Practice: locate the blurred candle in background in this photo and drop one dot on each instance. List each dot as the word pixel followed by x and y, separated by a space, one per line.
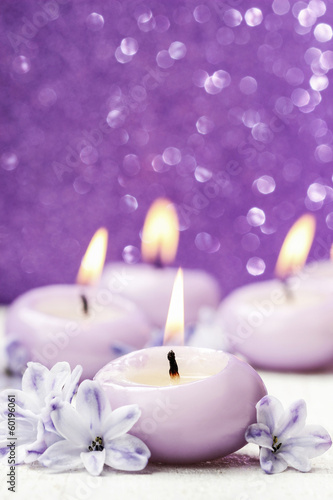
pixel 286 323
pixel 149 285
pixel 82 323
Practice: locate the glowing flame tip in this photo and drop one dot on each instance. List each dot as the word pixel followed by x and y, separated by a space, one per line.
pixel 93 260
pixel 160 233
pixel 296 246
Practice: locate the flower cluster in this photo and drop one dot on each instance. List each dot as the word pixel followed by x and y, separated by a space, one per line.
pixel 62 436
pixel 283 437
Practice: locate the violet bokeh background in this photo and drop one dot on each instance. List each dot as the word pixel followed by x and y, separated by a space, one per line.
pixel 87 120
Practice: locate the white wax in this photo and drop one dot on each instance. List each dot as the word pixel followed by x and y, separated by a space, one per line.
pixel 275 330
pixel 73 309
pixel 156 369
pixel 51 325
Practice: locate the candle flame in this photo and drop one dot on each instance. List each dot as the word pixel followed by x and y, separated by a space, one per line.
pixel 174 328
pixel 160 234
pixel 93 260
pixel 296 246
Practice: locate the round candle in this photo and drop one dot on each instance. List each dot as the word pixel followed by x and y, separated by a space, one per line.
pixel 202 415
pixel 150 288
pixel 52 325
pixel 284 324
pixel 150 285
pixel 280 329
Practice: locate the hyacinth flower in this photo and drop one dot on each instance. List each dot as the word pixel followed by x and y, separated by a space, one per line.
pixel 33 404
pixel 94 435
pixel 283 437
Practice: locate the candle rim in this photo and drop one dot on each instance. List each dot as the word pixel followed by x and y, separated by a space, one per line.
pixel 125 382
pixel 29 301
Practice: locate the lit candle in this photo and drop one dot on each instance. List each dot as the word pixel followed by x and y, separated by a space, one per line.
pixel 81 323
pixel 149 285
pixel 287 323
pixel 196 403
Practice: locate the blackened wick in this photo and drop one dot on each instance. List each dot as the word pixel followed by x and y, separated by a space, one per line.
pixel 84 304
pixel 173 371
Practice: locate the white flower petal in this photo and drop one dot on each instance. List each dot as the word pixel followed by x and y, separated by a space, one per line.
pixel 92 405
pixel 34 379
pixel 120 421
pixel 272 463
pixel 26 430
pixel 3 450
pixel 57 377
pixel 20 453
pixel 292 422
pixel 34 451
pixel 295 457
pixel 259 434
pixel 314 441
pixel 126 453
pixel 269 412
pixel 70 425
pixel 26 404
pixel 71 386
pixel 93 461
pixel 62 456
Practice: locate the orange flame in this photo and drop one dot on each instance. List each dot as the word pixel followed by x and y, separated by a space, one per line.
pixel 160 234
pixel 93 260
pixel 296 246
pixel 174 327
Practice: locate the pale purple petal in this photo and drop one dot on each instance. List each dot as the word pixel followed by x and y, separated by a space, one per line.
pixel 126 453
pixel 272 463
pixel 314 440
pixel 34 379
pixel 269 412
pixel 296 458
pixel 93 461
pixel 26 430
pixel 26 435
pixel 120 421
pixel 3 429
pixel 3 451
pixel 92 405
pixel 62 456
pixel 25 404
pixel 259 434
pixel 34 451
pixel 57 377
pixel 43 441
pixel 70 425
pixel 292 422
pixel 20 453
pixel 71 386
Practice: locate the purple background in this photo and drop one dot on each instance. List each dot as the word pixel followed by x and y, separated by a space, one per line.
pixel 64 171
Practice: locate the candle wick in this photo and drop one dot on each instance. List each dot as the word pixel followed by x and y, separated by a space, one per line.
pixel 158 262
pixel 287 290
pixel 173 371
pixel 85 304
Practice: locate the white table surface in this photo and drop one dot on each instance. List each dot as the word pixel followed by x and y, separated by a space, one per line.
pixel 237 477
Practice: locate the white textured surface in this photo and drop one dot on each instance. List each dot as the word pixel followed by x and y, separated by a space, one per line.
pixel 237 477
